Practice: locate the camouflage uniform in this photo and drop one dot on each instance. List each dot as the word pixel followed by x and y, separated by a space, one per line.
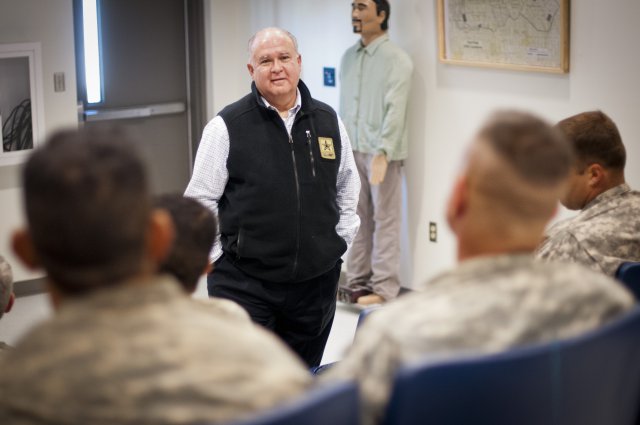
pixel 602 236
pixel 145 354
pixel 484 305
pixel 223 307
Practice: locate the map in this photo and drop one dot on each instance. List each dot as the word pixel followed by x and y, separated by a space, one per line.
pixel 522 33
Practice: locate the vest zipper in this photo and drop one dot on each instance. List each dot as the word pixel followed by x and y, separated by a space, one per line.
pixel 313 162
pixel 295 173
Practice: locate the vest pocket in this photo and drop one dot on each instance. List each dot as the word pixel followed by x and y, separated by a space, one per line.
pixel 239 244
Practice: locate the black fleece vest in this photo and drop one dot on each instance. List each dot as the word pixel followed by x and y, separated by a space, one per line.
pixel 278 212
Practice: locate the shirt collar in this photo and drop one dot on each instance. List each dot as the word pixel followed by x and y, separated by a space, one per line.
pixel 373 46
pixel 131 294
pixel 482 266
pixel 293 110
pixel 614 192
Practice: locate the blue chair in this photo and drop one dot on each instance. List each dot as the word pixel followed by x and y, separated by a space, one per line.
pixel 629 274
pixel 333 404
pixel 365 313
pixel 592 379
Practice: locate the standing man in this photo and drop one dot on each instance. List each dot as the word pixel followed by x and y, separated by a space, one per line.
pixel 604 234
pixel 375 77
pixel 277 168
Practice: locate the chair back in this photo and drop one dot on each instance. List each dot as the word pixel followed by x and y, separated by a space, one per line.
pixel 332 404
pixel 364 313
pixel 592 379
pixel 629 274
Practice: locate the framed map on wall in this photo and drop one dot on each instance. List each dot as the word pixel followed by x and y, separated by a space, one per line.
pixel 529 35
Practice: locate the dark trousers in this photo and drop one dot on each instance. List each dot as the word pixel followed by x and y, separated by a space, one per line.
pixel 301 313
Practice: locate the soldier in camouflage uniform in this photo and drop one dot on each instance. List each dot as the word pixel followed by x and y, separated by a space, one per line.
pixel 606 231
pixel 188 260
pixel 499 296
pixel 126 345
pixel 6 294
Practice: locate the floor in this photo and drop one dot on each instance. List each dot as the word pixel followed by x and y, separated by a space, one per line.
pixel 29 310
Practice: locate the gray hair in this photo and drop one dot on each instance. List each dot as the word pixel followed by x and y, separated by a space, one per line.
pixel 6 284
pixel 287 33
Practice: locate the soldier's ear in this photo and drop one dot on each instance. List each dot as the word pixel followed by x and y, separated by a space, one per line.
pixel 596 174
pixel 458 202
pixel 160 235
pixel 12 298
pixel 22 245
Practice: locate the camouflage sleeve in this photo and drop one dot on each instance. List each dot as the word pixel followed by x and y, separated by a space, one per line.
pixel 565 247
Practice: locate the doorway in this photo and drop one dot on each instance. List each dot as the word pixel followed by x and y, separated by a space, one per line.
pixel 151 60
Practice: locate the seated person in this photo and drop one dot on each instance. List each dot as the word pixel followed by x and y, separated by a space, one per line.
pixel 605 233
pixel 195 231
pixel 7 297
pixel 126 344
pixel 499 296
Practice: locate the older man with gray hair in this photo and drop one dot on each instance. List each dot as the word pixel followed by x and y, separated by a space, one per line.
pixel 277 168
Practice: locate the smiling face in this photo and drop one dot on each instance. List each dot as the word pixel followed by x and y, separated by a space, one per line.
pixel 275 66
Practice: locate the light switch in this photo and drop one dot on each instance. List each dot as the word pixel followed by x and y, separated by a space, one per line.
pixel 58 82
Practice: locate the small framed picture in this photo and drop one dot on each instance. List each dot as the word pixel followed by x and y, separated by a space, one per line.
pixel 21 101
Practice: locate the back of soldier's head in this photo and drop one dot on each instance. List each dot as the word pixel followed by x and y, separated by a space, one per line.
pixel 596 139
pixel 195 231
pixel 521 165
pixel 88 208
pixel 6 285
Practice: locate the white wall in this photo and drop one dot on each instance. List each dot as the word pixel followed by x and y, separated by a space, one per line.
pixel 228 28
pixel 449 102
pixel 51 24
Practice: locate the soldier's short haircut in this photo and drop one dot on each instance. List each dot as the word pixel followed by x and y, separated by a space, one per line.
pixel 538 153
pixel 88 208
pixel 195 232
pixel 383 6
pixel 532 162
pixel 6 284
pixel 596 139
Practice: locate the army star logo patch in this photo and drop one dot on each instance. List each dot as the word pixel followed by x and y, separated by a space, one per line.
pixel 326 148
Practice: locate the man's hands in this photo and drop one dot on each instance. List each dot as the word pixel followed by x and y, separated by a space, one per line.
pixel 378 169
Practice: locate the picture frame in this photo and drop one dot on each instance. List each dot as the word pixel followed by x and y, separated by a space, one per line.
pixel 21 101
pixel 526 35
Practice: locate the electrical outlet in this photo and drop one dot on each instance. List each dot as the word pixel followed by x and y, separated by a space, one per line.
pixel 433 231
